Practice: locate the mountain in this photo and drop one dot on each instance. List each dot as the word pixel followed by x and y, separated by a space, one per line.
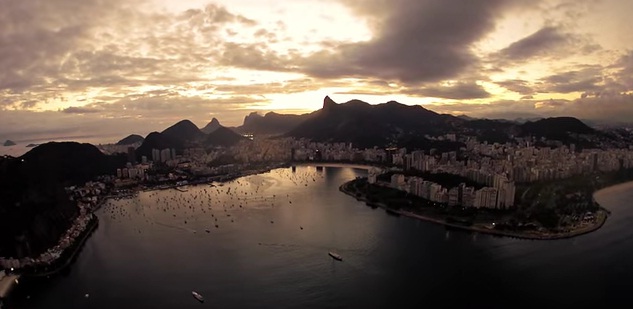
pixel 368 125
pixel 211 126
pixel 270 124
pixel 395 124
pixel 223 137
pixel 555 127
pixel 35 210
pixel 184 131
pixel 9 143
pixel 130 140
pixel 160 141
pixel 68 162
pixel 564 129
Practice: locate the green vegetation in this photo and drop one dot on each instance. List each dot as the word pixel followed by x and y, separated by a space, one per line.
pixel 563 204
pixel 545 210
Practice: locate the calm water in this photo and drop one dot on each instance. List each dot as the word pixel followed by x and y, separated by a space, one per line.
pixel 144 255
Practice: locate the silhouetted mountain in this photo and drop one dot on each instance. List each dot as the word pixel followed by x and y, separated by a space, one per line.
pixel 555 128
pixel 68 162
pixel 368 125
pixel 466 117
pixel 395 124
pixel 211 126
pixel 158 141
pixel 130 139
pixel 34 209
pixel 223 137
pixel 270 124
pixel 184 131
pixel 9 143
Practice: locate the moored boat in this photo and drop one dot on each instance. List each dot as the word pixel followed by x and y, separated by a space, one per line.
pixel 335 256
pixel 197 296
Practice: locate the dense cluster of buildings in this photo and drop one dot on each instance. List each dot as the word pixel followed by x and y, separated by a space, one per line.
pixel 52 254
pixel 87 198
pixel 496 167
pixel 500 196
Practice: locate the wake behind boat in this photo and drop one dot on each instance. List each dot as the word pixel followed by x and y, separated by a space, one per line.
pixel 197 296
pixel 335 256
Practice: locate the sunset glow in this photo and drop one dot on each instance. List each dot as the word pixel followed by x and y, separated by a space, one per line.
pixel 114 67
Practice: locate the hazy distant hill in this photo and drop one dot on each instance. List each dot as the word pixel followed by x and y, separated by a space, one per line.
pixel 211 126
pixel 130 140
pixel 555 127
pixel 9 143
pixel 223 137
pixel 184 131
pixel 34 210
pixel 270 124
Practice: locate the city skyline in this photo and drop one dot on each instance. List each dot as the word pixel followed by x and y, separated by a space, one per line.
pixel 94 69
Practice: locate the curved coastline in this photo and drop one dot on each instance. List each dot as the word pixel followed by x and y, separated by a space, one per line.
pixel 602 216
pixel 67 257
pixel 613 188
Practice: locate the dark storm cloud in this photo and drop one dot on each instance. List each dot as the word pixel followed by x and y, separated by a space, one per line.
pixel 543 40
pixel 414 41
pixel 548 41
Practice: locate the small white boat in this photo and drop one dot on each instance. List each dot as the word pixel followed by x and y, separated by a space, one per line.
pixel 335 256
pixel 197 296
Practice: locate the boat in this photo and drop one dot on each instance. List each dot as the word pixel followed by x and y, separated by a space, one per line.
pixel 197 296
pixel 335 256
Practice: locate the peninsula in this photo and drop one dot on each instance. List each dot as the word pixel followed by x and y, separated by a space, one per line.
pixel 573 213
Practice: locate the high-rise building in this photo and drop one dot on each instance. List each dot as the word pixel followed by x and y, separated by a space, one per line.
pixel 453 196
pixel 155 155
pixel 397 181
pixel 131 155
pixel 165 155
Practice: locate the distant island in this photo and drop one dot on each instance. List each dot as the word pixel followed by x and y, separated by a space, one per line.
pixel 9 143
pixel 32 145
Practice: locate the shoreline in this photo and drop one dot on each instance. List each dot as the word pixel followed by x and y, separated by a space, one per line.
pixel 615 187
pixel 601 215
pixel 76 248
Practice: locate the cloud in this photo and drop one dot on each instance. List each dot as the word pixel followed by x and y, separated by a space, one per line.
pixel 457 91
pixel 586 79
pixel 614 108
pixel 414 41
pixel 517 85
pixel 549 41
pixel 80 110
pixel 539 42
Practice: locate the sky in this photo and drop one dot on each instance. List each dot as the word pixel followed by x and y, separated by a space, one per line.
pixel 98 70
